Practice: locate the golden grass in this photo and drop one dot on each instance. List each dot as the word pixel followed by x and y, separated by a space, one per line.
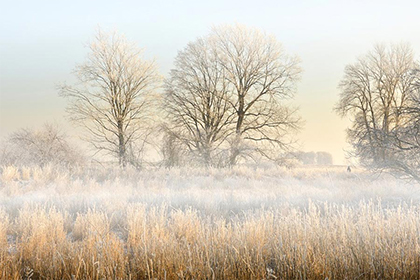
pixel 214 225
pixel 322 241
pixel 10 173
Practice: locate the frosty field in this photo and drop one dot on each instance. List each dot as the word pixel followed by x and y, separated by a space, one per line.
pixel 240 223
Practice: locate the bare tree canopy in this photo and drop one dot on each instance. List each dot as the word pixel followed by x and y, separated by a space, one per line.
pixel 229 89
pixel 197 101
pixel 112 97
pixel 377 92
pixel 407 136
pixel 261 76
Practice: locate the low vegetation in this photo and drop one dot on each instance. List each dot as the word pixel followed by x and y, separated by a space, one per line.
pixel 240 223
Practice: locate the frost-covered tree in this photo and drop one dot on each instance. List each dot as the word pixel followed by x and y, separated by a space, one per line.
pixel 112 97
pixel 379 93
pixel 406 139
pixel 230 89
pixel 197 104
pixel 262 76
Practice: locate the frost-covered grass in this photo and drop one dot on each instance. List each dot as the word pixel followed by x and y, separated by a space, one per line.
pixel 241 223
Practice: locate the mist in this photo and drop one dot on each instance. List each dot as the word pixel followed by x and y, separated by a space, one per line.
pixel 213 140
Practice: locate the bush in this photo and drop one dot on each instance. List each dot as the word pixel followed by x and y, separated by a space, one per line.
pixel 46 146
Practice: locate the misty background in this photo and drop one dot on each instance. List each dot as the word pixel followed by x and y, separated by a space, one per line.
pixel 41 42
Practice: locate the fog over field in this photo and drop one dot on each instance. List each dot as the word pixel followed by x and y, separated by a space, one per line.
pixel 210 140
pixel 222 191
pixel 240 223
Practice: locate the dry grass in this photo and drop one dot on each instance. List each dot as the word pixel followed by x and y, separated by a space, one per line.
pixel 79 231
pixel 10 173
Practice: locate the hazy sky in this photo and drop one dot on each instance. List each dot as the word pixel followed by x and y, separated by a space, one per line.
pixel 42 41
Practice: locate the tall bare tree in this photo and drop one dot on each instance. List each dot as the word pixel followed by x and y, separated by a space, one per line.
pixel 230 89
pixel 261 77
pixel 197 101
pixel 376 92
pixel 111 100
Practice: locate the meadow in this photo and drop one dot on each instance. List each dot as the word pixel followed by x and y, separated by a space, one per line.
pixel 192 223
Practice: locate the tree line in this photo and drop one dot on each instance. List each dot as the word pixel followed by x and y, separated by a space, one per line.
pixel 225 100
pixel 228 99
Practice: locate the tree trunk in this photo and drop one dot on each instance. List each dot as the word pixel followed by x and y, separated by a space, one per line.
pixel 235 145
pixel 207 158
pixel 234 153
pixel 121 145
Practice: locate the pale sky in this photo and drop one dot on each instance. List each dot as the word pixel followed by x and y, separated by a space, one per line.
pixel 42 41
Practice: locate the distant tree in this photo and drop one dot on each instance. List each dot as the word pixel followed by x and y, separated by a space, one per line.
pixel 378 92
pixel 112 97
pixel 41 147
pixel 307 158
pixel 312 158
pixel 172 150
pixel 324 158
pixel 261 77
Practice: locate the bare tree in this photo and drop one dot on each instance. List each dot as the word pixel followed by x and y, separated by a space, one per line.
pixel 112 99
pixel 228 91
pixel 376 92
pixel 406 139
pixel 172 150
pixel 261 77
pixel 197 102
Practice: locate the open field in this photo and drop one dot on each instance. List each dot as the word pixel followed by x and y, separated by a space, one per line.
pixel 243 223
